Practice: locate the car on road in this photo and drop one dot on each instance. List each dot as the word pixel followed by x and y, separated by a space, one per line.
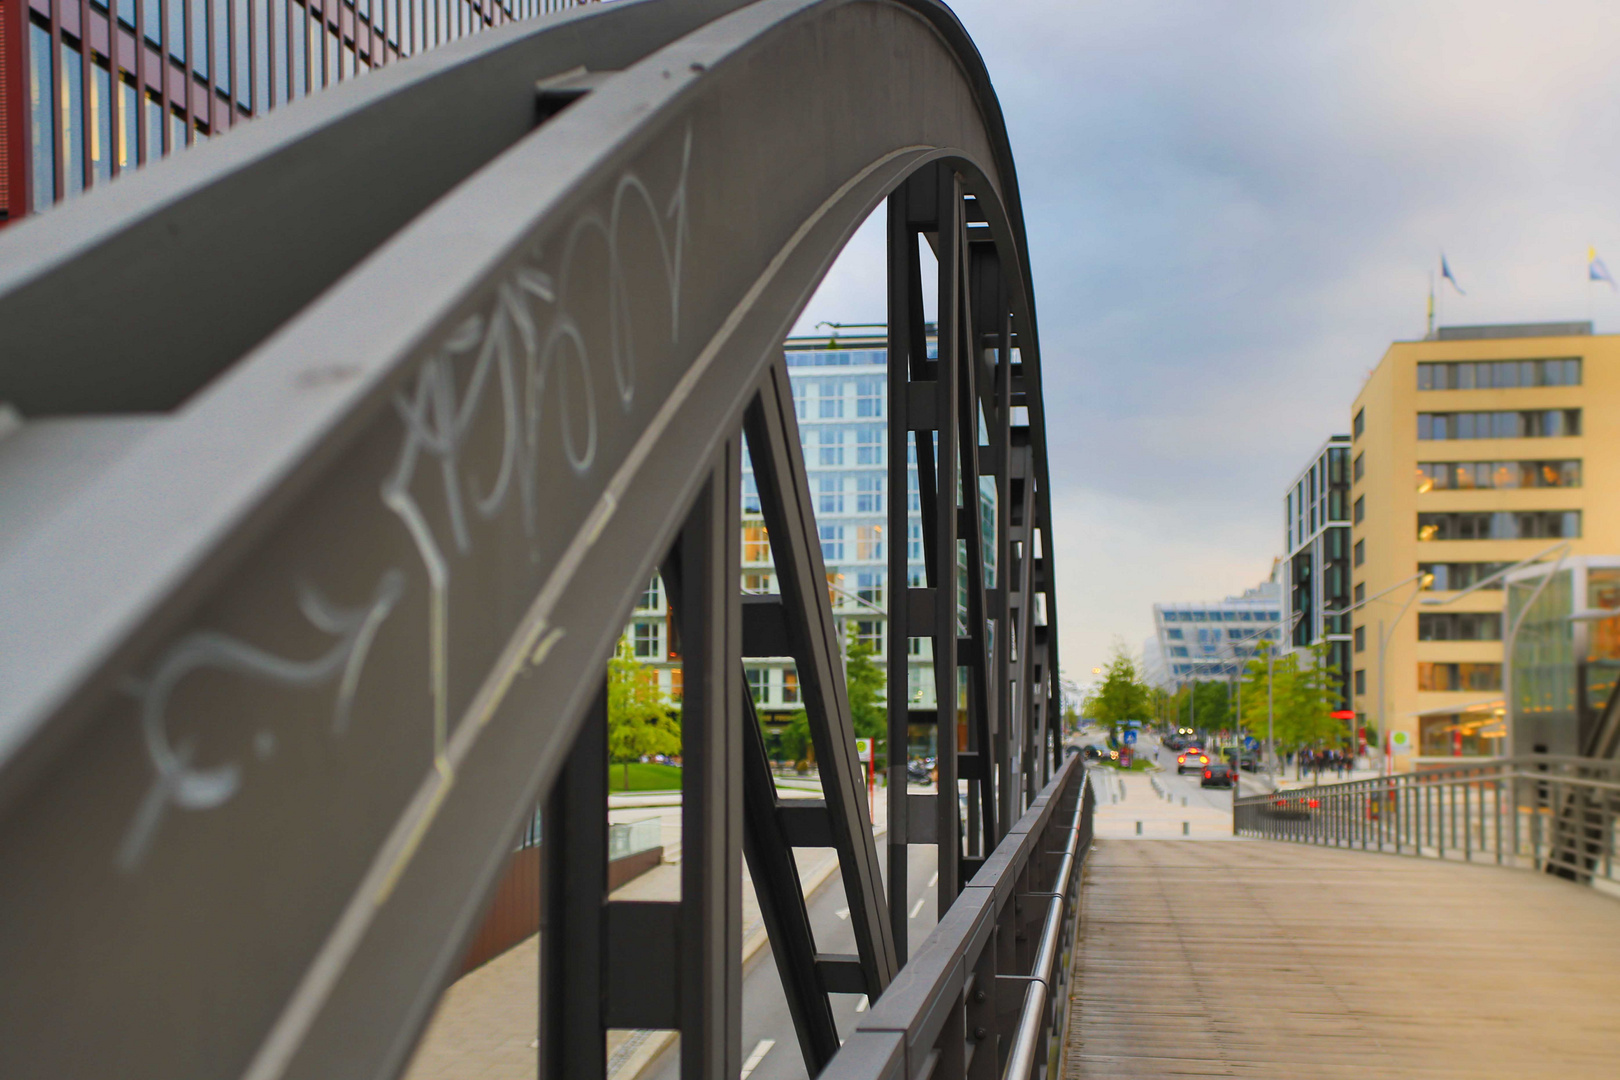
pixel 1193 760
pixel 1218 774
pixel 1093 752
pixel 1246 762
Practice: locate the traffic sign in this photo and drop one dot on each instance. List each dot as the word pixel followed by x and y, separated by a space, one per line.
pixel 863 749
pixel 1129 736
pixel 1400 742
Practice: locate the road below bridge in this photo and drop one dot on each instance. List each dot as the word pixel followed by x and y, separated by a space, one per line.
pixel 1258 958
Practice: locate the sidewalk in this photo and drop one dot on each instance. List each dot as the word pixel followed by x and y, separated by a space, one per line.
pixel 486 1023
pixel 1126 800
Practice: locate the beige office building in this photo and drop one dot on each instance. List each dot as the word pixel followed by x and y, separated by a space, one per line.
pixel 1471 450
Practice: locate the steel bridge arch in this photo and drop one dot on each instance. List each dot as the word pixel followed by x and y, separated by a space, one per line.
pixel 400 397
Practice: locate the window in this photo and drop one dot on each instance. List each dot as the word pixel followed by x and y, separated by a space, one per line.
pixel 790 686
pixel 1524 424
pixel 756 544
pixel 832 400
pixel 831 495
pixel 750 488
pixel 759 683
pixel 646 640
pixel 869 542
pixel 1360 552
pixel 869 494
pixel 1460 626
pixel 1359 424
pixel 1361 680
pixel 801 400
pixel 1361 509
pixel 869 444
pixel 913 495
pixel 1236 634
pixel 832 446
pixel 914 542
pixel 1360 466
pixel 832 543
pixel 869 397
pixel 649 600
pixel 1173 633
pixel 869 586
pixel 1461 575
pixel 1444 677
pixel 1501 525
pixel 1178 650
pixel 1469 475
pixel 1361 593
pixel 1361 639
pixel 1499 374
pixel 869 632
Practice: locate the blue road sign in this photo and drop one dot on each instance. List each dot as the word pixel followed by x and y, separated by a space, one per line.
pixel 1129 736
pixel 1251 742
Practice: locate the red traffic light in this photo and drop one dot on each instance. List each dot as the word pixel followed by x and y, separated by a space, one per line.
pixel 1342 714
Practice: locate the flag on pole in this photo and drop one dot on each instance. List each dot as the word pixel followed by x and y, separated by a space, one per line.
pixel 1447 275
pixel 1596 271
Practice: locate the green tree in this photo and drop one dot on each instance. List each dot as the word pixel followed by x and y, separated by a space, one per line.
pixel 640 720
pixel 1301 700
pixel 868 696
pixel 795 737
pixel 1121 696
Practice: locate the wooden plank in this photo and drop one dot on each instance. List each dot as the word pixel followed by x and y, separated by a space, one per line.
pixel 1271 959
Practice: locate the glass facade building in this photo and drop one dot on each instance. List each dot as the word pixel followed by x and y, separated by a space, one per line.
pixel 1214 640
pixel 89 90
pixel 1563 664
pixel 840 394
pixel 1316 520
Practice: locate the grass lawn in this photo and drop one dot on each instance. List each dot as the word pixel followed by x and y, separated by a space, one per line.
pixel 1140 764
pixel 644 776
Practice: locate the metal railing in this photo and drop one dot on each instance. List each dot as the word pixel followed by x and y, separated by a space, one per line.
pixel 981 996
pixel 1546 813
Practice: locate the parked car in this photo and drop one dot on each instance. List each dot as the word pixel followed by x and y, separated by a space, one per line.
pixel 919 770
pixel 1191 761
pixel 1093 752
pixel 1218 774
pixel 1246 762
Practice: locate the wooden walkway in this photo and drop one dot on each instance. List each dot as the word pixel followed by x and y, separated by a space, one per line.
pixel 1263 959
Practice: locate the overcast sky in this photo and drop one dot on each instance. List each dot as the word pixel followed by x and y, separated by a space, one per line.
pixel 1233 209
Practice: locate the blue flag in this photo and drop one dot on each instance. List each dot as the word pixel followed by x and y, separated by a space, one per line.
pixel 1447 275
pixel 1596 271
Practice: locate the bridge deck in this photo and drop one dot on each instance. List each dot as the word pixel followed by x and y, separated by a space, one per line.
pixel 1268 959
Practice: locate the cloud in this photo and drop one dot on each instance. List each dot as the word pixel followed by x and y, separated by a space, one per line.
pixel 1232 210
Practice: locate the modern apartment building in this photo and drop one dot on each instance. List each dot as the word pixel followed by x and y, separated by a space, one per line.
pixel 840 390
pixel 1213 640
pixel 1316 513
pixel 1470 450
pixel 157 77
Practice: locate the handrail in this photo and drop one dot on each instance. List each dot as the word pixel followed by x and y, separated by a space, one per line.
pixel 1550 813
pixel 943 1006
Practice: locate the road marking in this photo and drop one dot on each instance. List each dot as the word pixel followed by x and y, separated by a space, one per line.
pixel 915 908
pixel 860 1006
pixel 933 880
pixel 757 1056
pixel 842 913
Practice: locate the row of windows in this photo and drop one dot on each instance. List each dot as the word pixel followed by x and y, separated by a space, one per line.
pixel 1459 676
pixel 843 493
pixel 1460 626
pixel 773 686
pixel 1448 677
pixel 837 399
pixel 1447 577
pixel 840 357
pixel 1500 525
pixel 261 54
pixel 1213 634
pixel 1221 616
pixel 862 542
pixel 1499 374
pixel 1518 424
pixel 830 443
pixel 1467 475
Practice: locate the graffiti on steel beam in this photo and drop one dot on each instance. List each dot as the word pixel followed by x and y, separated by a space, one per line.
pixel 178 782
pixel 529 339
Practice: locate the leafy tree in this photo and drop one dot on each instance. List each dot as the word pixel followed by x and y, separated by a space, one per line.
pixel 1211 705
pixel 1121 696
pixel 795 737
pixel 1303 694
pixel 868 696
pixel 640 720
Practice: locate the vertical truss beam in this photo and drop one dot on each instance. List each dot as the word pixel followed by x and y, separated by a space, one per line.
pixel 710 617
